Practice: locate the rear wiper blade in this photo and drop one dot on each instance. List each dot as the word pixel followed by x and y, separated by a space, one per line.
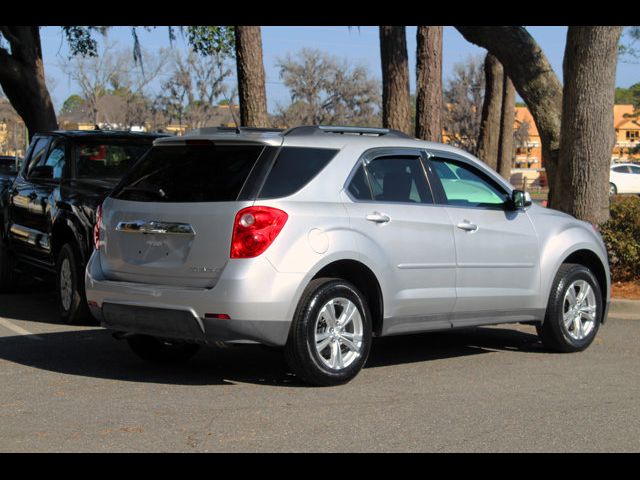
pixel 153 191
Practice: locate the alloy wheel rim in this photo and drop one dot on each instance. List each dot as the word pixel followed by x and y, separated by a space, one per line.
pixel 338 333
pixel 66 290
pixel 579 310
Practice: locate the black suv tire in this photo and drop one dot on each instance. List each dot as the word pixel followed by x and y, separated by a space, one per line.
pixel 7 276
pixel 301 352
pixel 70 295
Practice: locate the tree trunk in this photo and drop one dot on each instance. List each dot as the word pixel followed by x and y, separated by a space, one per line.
pixel 587 136
pixel 251 83
pixel 396 112
pixel 505 150
pixel 429 83
pixel 489 138
pixel 23 81
pixel 527 66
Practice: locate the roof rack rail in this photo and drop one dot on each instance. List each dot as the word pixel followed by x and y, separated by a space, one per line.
pixel 236 130
pixel 321 129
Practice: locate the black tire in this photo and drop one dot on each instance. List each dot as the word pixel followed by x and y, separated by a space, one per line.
pixel 553 332
pixel 7 277
pixel 613 190
pixel 163 351
pixel 300 351
pixel 73 309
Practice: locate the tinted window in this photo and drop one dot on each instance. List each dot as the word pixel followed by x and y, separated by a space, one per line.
pixel 8 165
pixel 37 155
pixel 634 169
pixel 107 160
pixel 398 179
pixel 466 186
pixel 358 187
pixel 622 169
pixel 293 169
pixel 189 173
pixel 56 159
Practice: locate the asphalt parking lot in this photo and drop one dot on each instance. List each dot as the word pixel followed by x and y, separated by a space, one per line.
pixel 75 388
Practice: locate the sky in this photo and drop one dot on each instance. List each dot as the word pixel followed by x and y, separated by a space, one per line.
pixel 358 45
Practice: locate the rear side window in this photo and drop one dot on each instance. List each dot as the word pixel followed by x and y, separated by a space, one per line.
pixel 293 168
pixel 189 173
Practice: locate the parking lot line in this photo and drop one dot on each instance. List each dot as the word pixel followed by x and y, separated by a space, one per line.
pixel 16 329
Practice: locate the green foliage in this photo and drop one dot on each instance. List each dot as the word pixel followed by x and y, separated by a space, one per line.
pixel 627 47
pixel 81 41
pixel 72 103
pixel 621 235
pixel 629 95
pixel 211 40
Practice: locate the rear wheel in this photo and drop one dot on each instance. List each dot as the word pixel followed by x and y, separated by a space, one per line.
pixel 574 311
pixel 330 336
pixel 72 302
pixel 613 190
pixel 159 350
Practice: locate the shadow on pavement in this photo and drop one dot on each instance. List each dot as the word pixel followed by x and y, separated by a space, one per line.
pixel 94 353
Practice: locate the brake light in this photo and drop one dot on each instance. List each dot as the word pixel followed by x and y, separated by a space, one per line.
pixel 96 227
pixel 254 229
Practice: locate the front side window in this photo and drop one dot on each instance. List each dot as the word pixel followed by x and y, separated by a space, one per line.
pixel 37 155
pixel 621 169
pixel 466 186
pixel 398 179
pixel 56 160
pixel 107 160
pixel 634 169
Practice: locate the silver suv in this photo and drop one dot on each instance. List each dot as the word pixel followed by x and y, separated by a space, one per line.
pixel 320 238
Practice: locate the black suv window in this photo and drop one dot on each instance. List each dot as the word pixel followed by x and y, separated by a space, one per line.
pixel 359 187
pixel 37 154
pixel 189 173
pixel 398 179
pixel 56 159
pixel 293 168
pixel 107 159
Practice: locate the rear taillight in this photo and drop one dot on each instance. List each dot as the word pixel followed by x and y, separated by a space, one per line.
pixel 254 229
pixel 96 227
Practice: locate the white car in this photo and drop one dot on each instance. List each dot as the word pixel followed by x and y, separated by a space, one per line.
pixel 624 178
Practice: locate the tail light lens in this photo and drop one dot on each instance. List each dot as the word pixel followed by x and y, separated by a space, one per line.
pixel 96 227
pixel 254 229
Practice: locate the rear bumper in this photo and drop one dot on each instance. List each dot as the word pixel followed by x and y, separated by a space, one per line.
pixel 258 299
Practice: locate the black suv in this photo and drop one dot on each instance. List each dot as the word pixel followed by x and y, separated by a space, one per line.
pixel 49 211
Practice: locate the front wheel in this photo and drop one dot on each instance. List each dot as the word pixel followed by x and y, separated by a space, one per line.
pixel 330 336
pixel 613 190
pixel 574 310
pixel 160 350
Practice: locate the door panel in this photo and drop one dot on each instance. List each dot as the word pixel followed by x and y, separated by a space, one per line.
pixel 496 247
pixel 409 237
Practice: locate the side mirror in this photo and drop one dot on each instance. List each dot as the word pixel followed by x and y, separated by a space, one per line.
pixel 520 199
pixel 41 171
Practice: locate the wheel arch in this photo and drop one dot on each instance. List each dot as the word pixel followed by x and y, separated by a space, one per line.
pixel 364 280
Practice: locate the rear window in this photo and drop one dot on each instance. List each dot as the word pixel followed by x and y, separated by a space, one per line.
pixel 189 173
pixel 107 160
pixel 293 169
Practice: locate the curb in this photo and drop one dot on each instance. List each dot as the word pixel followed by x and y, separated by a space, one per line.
pixel 626 308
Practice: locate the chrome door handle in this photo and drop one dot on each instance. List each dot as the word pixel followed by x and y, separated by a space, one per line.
pixel 467 226
pixel 378 217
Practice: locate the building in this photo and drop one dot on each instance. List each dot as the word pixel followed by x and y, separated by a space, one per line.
pixel 627 127
pixel 625 123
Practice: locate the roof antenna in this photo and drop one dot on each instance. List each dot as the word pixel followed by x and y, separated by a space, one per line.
pixel 230 103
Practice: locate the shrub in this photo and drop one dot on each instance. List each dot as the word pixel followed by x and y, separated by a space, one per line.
pixel 621 235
